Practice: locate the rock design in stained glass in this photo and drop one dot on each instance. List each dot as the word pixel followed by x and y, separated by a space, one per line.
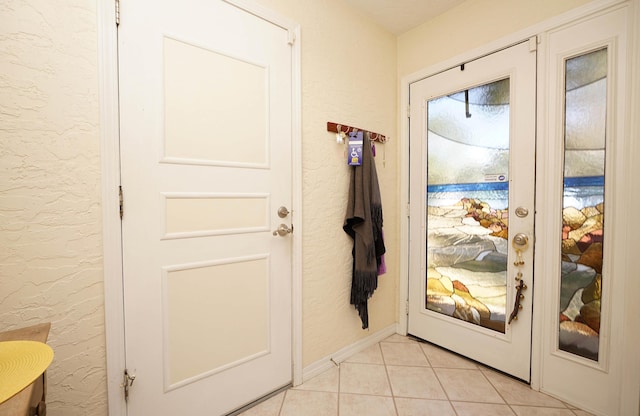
pixel 467 204
pixel 583 204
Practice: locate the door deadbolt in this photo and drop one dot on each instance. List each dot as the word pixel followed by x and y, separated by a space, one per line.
pixel 283 212
pixel 522 212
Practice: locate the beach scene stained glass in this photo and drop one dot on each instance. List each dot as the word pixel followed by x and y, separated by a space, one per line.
pixel 467 204
pixel 583 204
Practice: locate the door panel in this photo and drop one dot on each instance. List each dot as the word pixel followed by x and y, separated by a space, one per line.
pixel 223 106
pixel 205 148
pixel 583 202
pixel 472 146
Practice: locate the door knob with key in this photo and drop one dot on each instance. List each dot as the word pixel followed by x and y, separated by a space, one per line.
pixel 283 230
pixel 520 244
pixel 521 241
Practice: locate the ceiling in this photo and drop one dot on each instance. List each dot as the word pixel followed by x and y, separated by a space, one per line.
pixel 398 16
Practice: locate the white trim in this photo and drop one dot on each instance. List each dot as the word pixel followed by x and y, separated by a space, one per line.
pixel 110 178
pixel 504 42
pixel 296 154
pixel 110 154
pixel 630 385
pixel 405 220
pixel 537 333
pixel 343 354
pixel 218 163
pixel 267 14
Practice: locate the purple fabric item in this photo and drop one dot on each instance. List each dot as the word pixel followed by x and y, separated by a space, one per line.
pixel 382 267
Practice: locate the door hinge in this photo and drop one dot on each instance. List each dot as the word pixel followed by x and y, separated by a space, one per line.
pixel 291 37
pixel 408 111
pixel 408 210
pixel 406 307
pixel 117 12
pixel 127 383
pixel 121 200
pixel 533 44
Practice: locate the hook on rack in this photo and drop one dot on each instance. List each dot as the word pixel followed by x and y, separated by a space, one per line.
pixel 344 129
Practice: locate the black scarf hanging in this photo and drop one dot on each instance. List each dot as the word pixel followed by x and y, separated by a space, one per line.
pixel 363 222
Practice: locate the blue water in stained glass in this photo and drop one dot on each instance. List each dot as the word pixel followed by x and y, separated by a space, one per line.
pixel 462 187
pixel 584 181
pixel 579 192
pixel 587 191
pixel 494 193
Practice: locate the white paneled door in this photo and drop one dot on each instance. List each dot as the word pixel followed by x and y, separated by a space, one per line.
pixel 206 129
pixel 472 208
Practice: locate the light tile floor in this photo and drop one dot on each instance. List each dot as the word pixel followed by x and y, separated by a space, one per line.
pixel 403 377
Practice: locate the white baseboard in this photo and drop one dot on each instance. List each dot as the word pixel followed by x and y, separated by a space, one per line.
pixel 339 356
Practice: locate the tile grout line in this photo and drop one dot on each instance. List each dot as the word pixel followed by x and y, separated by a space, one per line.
pixel 438 378
pixel 525 405
pixel 284 397
pixel 498 391
pixel 339 388
pixel 386 371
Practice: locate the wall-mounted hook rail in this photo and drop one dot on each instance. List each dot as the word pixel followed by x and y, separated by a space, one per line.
pixel 337 128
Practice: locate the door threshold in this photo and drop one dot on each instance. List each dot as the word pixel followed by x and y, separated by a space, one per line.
pixel 260 400
pixel 424 341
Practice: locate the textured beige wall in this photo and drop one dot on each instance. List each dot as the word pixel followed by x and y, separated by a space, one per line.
pixel 50 213
pixel 50 182
pixel 470 25
pixel 348 76
pixel 50 230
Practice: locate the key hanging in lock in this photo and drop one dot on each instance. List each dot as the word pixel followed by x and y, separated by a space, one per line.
pixel 519 260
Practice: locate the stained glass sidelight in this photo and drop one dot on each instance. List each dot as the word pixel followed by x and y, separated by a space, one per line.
pixel 583 203
pixel 467 202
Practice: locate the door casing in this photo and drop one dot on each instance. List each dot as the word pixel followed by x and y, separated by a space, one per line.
pixel 110 151
pixel 629 400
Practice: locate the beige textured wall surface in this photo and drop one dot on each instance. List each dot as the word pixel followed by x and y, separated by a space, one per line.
pixel 470 25
pixel 50 183
pixel 50 227
pixel 348 76
pixel 50 213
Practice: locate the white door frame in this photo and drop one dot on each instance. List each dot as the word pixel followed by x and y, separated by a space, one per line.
pixel 112 234
pixel 631 379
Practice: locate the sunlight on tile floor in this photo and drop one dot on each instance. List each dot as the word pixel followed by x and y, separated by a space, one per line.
pixel 403 377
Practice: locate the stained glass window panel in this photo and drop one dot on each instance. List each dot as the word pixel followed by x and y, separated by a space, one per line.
pixel 467 204
pixel 583 203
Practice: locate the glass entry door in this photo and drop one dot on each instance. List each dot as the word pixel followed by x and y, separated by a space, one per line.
pixel 472 133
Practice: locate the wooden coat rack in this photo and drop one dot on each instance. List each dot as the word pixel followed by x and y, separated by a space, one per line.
pixel 337 128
